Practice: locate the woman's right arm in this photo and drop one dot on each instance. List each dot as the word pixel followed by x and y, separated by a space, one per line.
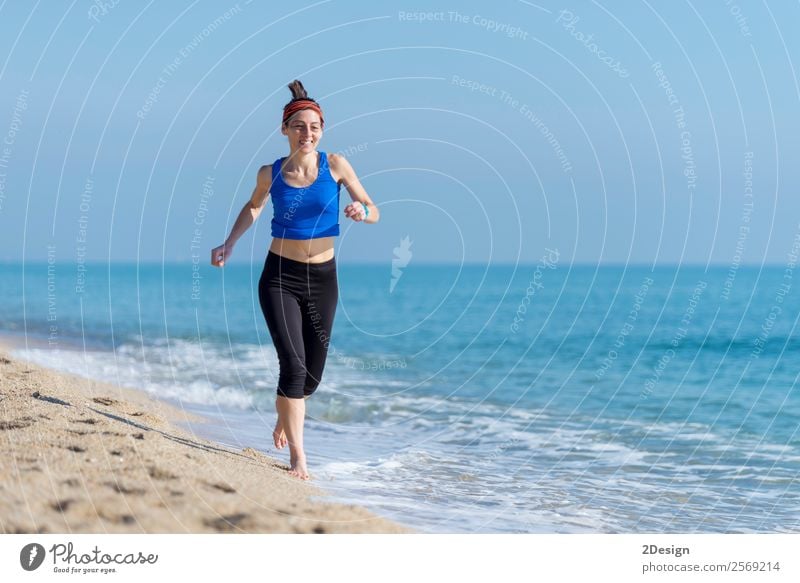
pixel 247 216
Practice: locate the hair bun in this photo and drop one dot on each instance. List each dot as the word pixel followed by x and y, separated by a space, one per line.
pixel 297 89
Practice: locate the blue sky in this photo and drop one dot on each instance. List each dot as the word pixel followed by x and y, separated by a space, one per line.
pixel 636 132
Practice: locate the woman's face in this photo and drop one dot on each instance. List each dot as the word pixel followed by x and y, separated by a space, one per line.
pixel 304 130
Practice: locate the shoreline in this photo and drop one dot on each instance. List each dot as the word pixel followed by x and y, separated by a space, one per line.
pixel 84 456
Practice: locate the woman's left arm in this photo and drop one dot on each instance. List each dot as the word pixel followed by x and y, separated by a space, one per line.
pixel 355 210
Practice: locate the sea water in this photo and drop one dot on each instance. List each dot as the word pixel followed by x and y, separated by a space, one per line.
pixel 473 398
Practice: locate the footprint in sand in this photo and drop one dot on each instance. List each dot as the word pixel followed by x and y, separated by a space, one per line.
pixel 230 523
pixel 159 474
pixel 120 489
pixel 62 505
pixel 20 423
pixel 89 421
pixel 80 432
pixel 108 402
pixel 221 487
pixel 117 518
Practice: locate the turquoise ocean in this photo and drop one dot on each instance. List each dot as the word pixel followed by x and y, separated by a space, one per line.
pixel 545 398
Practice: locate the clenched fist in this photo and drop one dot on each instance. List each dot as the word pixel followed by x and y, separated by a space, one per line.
pixel 220 254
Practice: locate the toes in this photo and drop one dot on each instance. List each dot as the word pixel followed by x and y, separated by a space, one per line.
pixel 279 437
pixel 298 473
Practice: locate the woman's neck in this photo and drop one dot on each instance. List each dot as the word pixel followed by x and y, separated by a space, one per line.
pixel 298 161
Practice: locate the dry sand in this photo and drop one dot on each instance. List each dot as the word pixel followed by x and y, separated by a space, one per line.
pixel 80 456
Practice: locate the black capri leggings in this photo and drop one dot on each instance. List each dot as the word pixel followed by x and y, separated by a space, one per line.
pixel 299 303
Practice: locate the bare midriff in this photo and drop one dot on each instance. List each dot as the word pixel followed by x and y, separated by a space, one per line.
pixel 305 250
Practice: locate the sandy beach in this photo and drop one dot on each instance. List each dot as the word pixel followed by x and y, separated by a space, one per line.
pixel 80 456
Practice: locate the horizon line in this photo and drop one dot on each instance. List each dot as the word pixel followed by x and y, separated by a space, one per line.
pixel 100 262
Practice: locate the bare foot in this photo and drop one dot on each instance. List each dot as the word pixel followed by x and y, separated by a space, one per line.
pixel 298 468
pixel 279 435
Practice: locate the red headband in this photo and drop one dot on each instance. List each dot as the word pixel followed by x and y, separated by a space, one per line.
pixel 299 105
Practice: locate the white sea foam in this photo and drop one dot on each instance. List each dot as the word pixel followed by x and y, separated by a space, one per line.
pixel 180 371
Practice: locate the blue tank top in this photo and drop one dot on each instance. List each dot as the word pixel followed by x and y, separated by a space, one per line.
pixel 305 213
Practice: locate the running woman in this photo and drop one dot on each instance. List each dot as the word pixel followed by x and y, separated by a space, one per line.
pixel 298 289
